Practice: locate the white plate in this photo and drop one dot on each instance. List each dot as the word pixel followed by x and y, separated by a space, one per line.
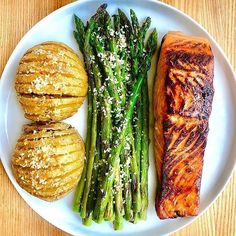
pixel 220 152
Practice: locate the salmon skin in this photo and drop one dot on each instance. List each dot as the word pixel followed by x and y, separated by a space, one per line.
pixel 182 103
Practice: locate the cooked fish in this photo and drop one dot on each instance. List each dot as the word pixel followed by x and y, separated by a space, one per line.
pixel 183 94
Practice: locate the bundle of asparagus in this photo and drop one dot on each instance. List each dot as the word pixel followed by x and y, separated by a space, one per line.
pixel 114 182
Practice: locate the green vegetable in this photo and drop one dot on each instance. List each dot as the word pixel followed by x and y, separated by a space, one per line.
pixel 114 181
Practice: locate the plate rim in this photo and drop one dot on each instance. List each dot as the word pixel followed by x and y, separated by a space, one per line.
pixel 63 8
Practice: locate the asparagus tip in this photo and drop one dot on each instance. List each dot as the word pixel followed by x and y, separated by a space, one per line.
pixel 131 11
pixel 103 6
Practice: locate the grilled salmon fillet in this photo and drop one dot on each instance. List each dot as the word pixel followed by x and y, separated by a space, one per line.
pixel 182 103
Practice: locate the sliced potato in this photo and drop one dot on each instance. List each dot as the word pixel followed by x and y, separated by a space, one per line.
pixel 48 160
pixel 50 75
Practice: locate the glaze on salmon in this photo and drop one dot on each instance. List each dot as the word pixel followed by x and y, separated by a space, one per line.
pixel 182 101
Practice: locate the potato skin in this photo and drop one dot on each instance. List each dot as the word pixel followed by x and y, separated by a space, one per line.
pixel 48 160
pixel 51 82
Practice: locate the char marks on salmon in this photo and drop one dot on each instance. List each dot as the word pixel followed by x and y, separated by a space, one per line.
pixel 183 94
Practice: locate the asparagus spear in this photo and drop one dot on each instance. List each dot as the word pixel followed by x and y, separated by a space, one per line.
pixel 142 111
pixel 134 178
pixel 79 190
pixel 113 47
pixel 127 190
pixel 86 207
pixel 136 51
pixel 118 141
pixel 80 187
pixel 106 110
pixel 145 136
pixel 117 105
pixel 117 223
pixel 99 153
pixel 106 136
pixel 93 129
pixel 144 162
pixel 94 182
pixel 84 43
pixel 126 153
pixel 88 50
pixel 116 62
pixel 135 170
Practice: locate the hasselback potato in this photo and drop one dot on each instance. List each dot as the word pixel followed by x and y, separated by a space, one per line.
pixel 51 82
pixel 48 160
